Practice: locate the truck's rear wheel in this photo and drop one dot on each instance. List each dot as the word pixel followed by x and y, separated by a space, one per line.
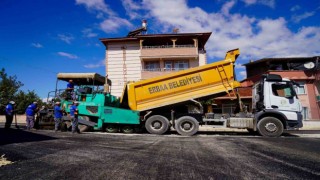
pixel 270 127
pixel 112 128
pixel 127 129
pixel 187 126
pixel 157 124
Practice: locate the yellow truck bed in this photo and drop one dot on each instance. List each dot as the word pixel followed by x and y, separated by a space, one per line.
pixel 198 82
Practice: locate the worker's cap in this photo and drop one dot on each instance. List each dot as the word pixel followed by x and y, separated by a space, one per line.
pixel 12 102
pixel 35 102
pixel 58 102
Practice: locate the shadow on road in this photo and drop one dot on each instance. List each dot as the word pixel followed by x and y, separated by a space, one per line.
pixel 9 136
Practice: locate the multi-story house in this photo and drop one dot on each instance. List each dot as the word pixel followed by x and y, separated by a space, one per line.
pixel 303 70
pixel 141 56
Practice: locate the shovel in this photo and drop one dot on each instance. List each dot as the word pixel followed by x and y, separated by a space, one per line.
pixel 15 119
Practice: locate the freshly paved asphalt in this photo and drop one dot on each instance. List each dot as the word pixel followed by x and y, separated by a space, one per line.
pixel 44 154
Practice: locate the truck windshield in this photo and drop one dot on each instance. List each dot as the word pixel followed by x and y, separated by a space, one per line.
pixel 283 90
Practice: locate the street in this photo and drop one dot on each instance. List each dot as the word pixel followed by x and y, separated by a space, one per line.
pixel 44 154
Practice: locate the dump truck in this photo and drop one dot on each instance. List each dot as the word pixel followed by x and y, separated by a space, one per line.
pixel 174 100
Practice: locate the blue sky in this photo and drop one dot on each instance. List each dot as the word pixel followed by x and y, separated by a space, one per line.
pixel 39 38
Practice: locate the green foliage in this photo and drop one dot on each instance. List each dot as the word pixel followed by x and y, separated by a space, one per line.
pixel 9 91
pixel 9 86
pixel 24 99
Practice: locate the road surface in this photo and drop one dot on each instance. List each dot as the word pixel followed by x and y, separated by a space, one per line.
pixel 44 154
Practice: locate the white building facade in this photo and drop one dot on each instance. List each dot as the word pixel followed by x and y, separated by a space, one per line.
pixel 146 56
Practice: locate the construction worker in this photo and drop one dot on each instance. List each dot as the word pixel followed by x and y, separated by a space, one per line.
pixel 9 114
pixel 70 89
pixel 74 116
pixel 57 116
pixel 30 113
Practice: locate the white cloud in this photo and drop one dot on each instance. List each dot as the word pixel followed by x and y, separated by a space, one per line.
pixel 297 18
pixel 68 55
pixel 37 45
pixel 256 38
pixel 88 33
pixel 112 22
pixel 96 65
pixel 269 3
pixel 243 74
pixel 96 5
pixel 227 6
pixel 132 8
pixel 67 38
pixel 239 66
pixel 47 100
pixel 111 25
pixel 295 8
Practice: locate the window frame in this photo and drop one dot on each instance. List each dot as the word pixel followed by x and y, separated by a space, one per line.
pixel 148 65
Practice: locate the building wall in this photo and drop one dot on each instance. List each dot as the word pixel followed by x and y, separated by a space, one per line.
pixel 202 58
pixel 193 63
pixel 314 108
pixel 123 64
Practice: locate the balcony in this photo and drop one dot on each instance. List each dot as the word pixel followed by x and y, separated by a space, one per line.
pixel 147 73
pixel 169 51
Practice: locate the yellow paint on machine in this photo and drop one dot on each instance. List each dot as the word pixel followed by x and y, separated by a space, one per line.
pixel 184 85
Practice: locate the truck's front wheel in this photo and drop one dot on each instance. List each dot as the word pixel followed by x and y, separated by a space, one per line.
pixel 187 126
pixel 270 127
pixel 157 124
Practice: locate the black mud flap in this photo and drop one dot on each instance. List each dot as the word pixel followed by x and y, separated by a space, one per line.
pixel 80 121
pixel 85 122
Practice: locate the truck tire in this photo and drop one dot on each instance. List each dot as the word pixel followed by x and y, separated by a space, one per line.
pixel 157 124
pixel 187 126
pixel 270 127
pixel 127 129
pixel 112 128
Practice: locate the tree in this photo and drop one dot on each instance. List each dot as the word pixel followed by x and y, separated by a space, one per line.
pixel 9 91
pixel 25 99
pixel 9 86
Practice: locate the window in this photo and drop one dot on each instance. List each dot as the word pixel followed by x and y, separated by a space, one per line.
pixel 168 66
pixel 301 89
pixel 305 113
pixel 181 65
pixel 152 66
pixel 282 90
pixel 176 65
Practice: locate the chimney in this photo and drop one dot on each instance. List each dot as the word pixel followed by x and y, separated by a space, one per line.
pixel 144 24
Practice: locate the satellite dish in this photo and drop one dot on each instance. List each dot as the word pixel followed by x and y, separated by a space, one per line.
pixel 309 65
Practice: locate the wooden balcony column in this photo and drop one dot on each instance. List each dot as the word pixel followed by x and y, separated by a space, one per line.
pixel 195 42
pixel 174 42
pixel 141 43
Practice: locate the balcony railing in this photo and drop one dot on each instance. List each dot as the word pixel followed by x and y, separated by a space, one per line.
pixel 168 46
pixel 169 51
pixel 164 69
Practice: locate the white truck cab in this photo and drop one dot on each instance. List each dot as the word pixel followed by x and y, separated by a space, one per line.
pixel 275 105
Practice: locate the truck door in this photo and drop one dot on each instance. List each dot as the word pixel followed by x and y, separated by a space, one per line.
pixel 282 97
